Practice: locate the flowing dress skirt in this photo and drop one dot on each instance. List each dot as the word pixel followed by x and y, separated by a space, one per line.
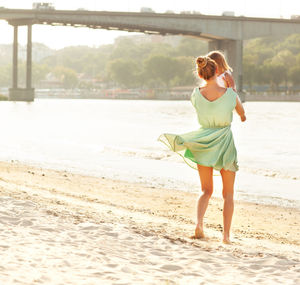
pixel 212 147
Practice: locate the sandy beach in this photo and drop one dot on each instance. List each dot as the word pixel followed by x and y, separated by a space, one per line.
pixel 59 227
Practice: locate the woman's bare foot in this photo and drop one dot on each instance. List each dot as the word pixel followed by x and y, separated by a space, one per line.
pixel 199 234
pixel 226 239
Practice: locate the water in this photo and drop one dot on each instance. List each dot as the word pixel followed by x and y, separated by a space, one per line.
pixel 118 139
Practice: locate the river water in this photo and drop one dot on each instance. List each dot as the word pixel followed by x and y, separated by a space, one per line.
pixel 118 139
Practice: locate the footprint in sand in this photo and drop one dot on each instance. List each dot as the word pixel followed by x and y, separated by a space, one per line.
pixel 112 265
pixel 113 234
pixel 26 223
pixel 24 204
pixel 9 220
pixel 158 253
pixel 171 267
pixel 88 226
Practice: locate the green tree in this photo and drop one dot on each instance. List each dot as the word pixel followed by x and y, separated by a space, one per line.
pixel 281 63
pixel 191 47
pixel 67 76
pixel 294 75
pixel 291 43
pixel 39 72
pixel 275 70
pixel 124 48
pixel 250 70
pixel 186 73
pixel 160 68
pixel 5 75
pixel 125 72
pixel 271 60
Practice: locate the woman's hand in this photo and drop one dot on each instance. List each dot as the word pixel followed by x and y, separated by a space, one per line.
pixel 243 118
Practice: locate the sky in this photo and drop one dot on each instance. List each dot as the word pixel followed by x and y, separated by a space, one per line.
pixel 59 37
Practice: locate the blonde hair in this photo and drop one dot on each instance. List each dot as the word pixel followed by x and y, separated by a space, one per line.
pixel 206 67
pixel 220 60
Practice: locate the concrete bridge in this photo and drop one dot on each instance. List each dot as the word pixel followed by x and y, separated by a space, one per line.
pixel 223 32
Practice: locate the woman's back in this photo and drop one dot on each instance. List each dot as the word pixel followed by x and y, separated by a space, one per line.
pixel 213 92
pixel 214 109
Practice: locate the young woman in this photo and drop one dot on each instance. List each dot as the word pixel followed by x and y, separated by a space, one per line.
pixel 212 146
pixel 225 78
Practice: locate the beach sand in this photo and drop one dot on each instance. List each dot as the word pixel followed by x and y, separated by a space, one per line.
pixel 58 227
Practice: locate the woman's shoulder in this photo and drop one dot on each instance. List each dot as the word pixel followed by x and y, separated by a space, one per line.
pixel 197 90
pixel 193 95
pixel 231 91
pixel 232 95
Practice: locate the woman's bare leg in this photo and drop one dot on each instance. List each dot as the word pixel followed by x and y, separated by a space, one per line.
pixel 228 178
pixel 206 178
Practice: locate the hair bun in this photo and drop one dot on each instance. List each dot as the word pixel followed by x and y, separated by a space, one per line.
pixel 202 61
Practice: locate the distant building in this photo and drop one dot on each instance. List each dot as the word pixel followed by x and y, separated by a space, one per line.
pixel 42 6
pixel 295 17
pixel 51 81
pixel 171 40
pixel 190 12
pixel 228 13
pixel 147 10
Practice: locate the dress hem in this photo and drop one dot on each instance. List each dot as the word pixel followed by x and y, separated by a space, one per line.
pixel 162 138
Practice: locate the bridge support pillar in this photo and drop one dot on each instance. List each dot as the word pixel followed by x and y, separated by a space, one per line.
pixel 233 50
pixel 15 58
pixel 16 93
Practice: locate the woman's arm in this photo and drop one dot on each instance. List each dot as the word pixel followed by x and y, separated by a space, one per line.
pixel 240 109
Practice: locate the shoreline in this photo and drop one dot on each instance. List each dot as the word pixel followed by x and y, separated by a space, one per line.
pixel 59 227
pixel 243 197
pixel 248 98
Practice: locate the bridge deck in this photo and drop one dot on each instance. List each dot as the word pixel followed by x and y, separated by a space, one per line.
pixel 206 26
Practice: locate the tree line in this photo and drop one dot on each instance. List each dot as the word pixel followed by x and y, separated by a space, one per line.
pixel 272 62
pixel 132 64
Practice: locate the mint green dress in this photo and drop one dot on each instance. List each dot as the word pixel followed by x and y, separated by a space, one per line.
pixel 212 144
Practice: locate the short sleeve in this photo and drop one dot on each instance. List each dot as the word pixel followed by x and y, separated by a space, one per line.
pixel 193 97
pixel 233 95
